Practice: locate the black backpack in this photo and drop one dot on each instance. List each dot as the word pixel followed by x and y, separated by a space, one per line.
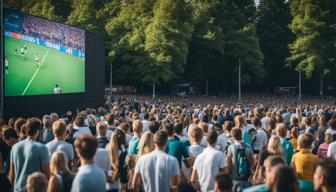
pixel 123 167
pixel 65 181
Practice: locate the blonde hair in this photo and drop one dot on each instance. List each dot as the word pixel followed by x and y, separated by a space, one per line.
pixel 117 140
pixel 101 128
pixel 274 145
pixel 146 144
pixel 37 182
pixel 328 138
pixel 137 126
pixel 59 163
pixel 59 128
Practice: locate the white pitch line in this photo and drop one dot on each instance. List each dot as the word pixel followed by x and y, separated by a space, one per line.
pixel 37 70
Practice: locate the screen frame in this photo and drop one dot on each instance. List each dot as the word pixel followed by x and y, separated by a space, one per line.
pixel 3 53
pixel 93 97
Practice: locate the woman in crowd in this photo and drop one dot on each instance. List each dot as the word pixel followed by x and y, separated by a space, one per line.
pixel 61 177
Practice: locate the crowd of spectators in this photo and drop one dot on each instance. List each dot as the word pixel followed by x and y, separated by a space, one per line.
pixel 54 32
pixel 136 143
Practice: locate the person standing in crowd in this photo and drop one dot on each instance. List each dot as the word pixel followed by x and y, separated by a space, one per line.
pixel 101 134
pixel 281 131
pixel 208 164
pixel 175 147
pixel 157 170
pixel 332 128
pixel 146 144
pixel 223 183
pixel 324 176
pixel 260 138
pixel 304 162
pixel 110 125
pixel 80 127
pixel 322 151
pixel 118 153
pixel 145 122
pixel 239 160
pixel 47 133
pixel 283 178
pixel 59 143
pixel 133 148
pixel 90 177
pixel 28 156
pixel 8 139
pixel 61 178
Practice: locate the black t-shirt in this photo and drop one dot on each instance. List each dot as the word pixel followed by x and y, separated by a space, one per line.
pixel 5 153
pixel 263 156
pixel 102 142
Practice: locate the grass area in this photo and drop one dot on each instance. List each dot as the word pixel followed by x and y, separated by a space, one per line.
pixel 25 78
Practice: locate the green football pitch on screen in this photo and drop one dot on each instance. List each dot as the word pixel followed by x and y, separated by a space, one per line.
pixel 25 77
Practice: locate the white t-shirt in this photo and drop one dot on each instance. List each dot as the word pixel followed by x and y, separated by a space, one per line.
pixel 330 131
pixel 332 150
pixel 207 166
pixel 102 159
pixel 63 146
pixel 261 140
pixel 57 90
pixel 145 124
pixel 156 169
pixel 222 142
pixel 264 122
pixel 81 131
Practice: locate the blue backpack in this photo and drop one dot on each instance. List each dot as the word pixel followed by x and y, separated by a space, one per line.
pixel 243 164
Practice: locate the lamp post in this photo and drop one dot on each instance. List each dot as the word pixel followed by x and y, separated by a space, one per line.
pixel 239 80
pixel 299 85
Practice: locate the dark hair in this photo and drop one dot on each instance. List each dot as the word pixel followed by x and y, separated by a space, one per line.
pixel 305 140
pixel 86 146
pixel 286 179
pixel 228 125
pixel 328 169
pixel 146 116
pixel 178 128
pixel 79 121
pixel 18 124
pixel 161 138
pixel 237 134
pixel 169 127
pixel 9 133
pixel 153 126
pixel 110 119
pixel 185 186
pixel 33 125
pixel 332 124
pixel 224 182
pixel 211 137
pixel 255 121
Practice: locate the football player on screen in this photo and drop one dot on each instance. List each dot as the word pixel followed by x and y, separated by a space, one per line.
pixel 37 59
pixel 22 51
pixel 25 48
pixel 6 64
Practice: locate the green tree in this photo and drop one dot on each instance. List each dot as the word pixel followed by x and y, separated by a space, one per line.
pixel 241 41
pixel 167 38
pixel 84 14
pixel 274 34
pixel 126 32
pixel 40 8
pixel 314 46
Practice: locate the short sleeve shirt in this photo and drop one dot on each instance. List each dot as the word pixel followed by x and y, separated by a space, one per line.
pixel 28 157
pixel 89 178
pixel 63 146
pixel 133 147
pixel 207 166
pixel 177 149
pixel 156 169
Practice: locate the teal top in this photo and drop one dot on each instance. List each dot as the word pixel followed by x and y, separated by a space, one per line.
pixel 247 138
pixel 133 148
pixel 304 185
pixel 177 149
pixel 287 148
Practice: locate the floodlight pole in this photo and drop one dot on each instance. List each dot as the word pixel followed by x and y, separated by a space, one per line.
pixel 2 73
pixel 153 90
pixel 239 80
pixel 299 85
pixel 111 78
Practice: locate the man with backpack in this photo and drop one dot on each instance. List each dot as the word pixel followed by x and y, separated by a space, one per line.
pixel 239 160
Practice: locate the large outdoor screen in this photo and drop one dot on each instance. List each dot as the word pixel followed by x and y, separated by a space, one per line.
pixel 42 56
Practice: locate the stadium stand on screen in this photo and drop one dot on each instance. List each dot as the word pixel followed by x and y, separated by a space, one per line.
pixel 42 56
